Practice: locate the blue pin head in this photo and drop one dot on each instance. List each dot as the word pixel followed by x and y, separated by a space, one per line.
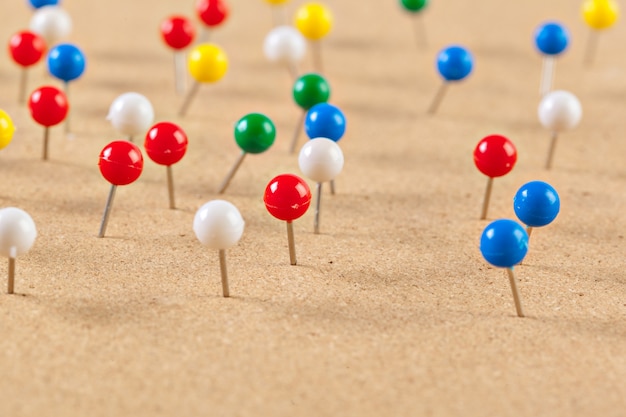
pixel 536 204
pixel 66 62
pixel 504 243
pixel 454 63
pixel 551 38
pixel 325 121
pixel 36 4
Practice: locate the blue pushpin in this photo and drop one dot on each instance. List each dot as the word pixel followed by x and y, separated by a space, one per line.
pixel 36 4
pixel 536 204
pixel 551 39
pixel 67 63
pixel 454 63
pixel 504 244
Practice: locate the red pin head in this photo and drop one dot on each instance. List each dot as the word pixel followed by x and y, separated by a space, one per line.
pixel 48 106
pixel 495 156
pixel 212 12
pixel 26 48
pixel 287 197
pixel 166 143
pixel 121 162
pixel 177 32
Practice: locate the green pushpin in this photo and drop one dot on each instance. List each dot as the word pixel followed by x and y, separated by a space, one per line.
pixel 415 7
pixel 308 90
pixel 254 133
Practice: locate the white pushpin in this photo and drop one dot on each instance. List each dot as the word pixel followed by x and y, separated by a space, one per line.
pixel 285 45
pixel 219 225
pixel 131 114
pixel 52 23
pixel 321 160
pixel 558 111
pixel 17 235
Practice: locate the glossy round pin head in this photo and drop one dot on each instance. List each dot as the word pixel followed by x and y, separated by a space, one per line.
pixel 284 44
pixel 414 6
pixel 495 156
pixel 321 160
pixel 326 121
pixel 177 32
pixel 48 106
pixel 36 4
pixel 166 143
pixel 17 232
pixel 504 243
pixel 310 89
pixel 536 204
pixel 551 38
pixel 52 23
pixel 313 20
pixel 212 12
pixel 66 62
pixel 26 48
pixel 559 110
pixel 455 63
pixel 7 128
pixel 287 197
pixel 255 133
pixel 207 63
pixel 120 162
pixel 600 14
pixel 131 114
pixel 218 224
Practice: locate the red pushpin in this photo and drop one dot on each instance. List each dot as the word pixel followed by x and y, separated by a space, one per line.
pixel 494 156
pixel 26 49
pixel 48 107
pixel 287 197
pixel 166 144
pixel 178 32
pixel 212 13
pixel 120 163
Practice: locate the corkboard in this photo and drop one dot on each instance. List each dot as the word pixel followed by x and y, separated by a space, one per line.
pixel 391 311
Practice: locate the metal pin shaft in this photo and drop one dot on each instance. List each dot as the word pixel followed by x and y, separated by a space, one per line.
pixel 107 211
pixel 231 173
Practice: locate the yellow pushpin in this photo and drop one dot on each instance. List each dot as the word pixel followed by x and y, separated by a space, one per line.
pixel 314 21
pixel 207 63
pixel 598 15
pixel 279 12
pixel 6 129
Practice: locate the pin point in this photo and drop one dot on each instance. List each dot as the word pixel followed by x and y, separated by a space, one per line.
pixel 287 197
pixel 494 156
pixel 551 39
pixel 67 63
pixel 26 49
pixel 314 21
pixel 320 160
pixel 166 144
pixel 36 4
pixel 207 63
pixel 279 12
pixel 558 111
pixel 52 23
pixel 131 114
pixel 178 33
pixel 254 133
pixel 17 235
pixel 454 63
pixel 536 204
pixel 120 163
pixel 7 128
pixel 48 106
pixel 308 90
pixel 219 225
pixel 285 45
pixel 416 8
pixel 212 13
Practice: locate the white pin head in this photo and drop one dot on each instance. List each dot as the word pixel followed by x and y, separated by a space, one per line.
pixel 218 224
pixel 52 23
pixel 17 232
pixel 284 44
pixel 321 159
pixel 559 110
pixel 131 114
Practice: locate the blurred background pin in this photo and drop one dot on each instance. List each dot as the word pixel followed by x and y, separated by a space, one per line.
pixel 287 46
pixel 212 14
pixel 7 128
pixel 454 63
pixel 178 33
pixel 17 236
pixel 66 62
pixel 416 9
pixel 551 40
pixel 598 15
pixel 51 22
pixel 558 111
pixel 131 114
pixel 308 90
pixel 279 11
pixel 314 21
pixel 26 49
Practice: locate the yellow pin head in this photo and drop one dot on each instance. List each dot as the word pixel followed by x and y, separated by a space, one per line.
pixel 207 63
pixel 314 21
pixel 6 129
pixel 600 14
pixel 277 2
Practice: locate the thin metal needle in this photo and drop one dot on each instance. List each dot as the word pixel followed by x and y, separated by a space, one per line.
pixel 107 211
pixel 291 242
pixel 11 283
pixel 316 224
pixel 434 106
pixel 231 173
pixel 170 186
pixel 296 133
pixel 190 95
pixel 516 297
pixel 483 213
pixel 224 272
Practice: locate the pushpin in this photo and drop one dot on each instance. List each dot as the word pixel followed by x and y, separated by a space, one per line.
pixel 212 13
pixel 308 90
pixel 219 225
pixel 285 45
pixel 207 63
pixel 120 163
pixel 131 114
pixel 504 244
pixel 53 23
pixel 416 8
pixel 178 33
pixel 314 21
pixel 536 204
pixel 279 12
pixel 67 63
pixel 36 4
pixel 7 128
pixel 48 106
pixel 598 15
pixel 17 235
pixel 26 49
pixel 166 144
pixel 325 121
pixel 320 160
pixel 287 197
pixel 254 133
pixel 454 63
pixel 494 156
pixel 558 111
pixel 551 40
